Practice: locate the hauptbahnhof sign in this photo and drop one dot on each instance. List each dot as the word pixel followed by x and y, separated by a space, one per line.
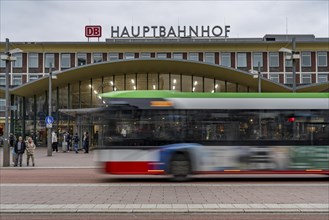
pixel 165 32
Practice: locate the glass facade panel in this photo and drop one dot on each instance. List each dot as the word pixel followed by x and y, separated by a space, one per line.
pixel 33 60
pixel 219 86
pixel 85 94
pixel 186 83
pixel 226 59
pixel 17 80
pixel 145 55
pixel 322 58
pixel 119 83
pixel 65 60
pixel 257 58
pixel 142 81
pixel 18 63
pixel 153 81
pixel 288 63
pixel 242 59
pixel 97 89
pixel 209 85
pixel 288 78
pixel 33 77
pixel 108 84
pixel 162 55
pixel 74 95
pixel 129 56
pixel 306 78
pixel 175 82
pixel 49 58
pixel 178 56
pixel 274 77
pixel 2 80
pixel 2 62
pixel 82 59
pixel 164 81
pixel 197 84
pixel 193 56
pixel 131 82
pixel 209 57
pixel 231 87
pixel 274 59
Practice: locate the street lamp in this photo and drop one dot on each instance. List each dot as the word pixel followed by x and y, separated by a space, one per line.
pixel 8 58
pixel 292 55
pixel 257 74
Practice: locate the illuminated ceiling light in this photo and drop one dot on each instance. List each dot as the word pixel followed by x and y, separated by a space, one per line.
pixel 216 86
pixel 154 87
pixel 104 103
pixel 115 88
pixel 90 86
pixel 111 82
pixel 134 87
pixel 193 89
pixel 99 97
pixel 212 91
pixel 195 83
pixel 132 81
pixel 95 92
pixel 174 81
pixel 174 87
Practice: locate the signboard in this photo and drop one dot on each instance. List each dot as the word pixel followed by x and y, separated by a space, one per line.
pixel 49 120
pixel 93 31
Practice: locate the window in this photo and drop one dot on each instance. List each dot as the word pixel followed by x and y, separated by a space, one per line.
pixel 288 78
pixel 65 60
pixel 18 62
pixel 274 77
pixel 162 55
pixel 209 57
pixel 226 59
pixel 322 78
pixel 33 60
pixel 98 57
pixel 322 58
pixel 145 55
pixel 257 57
pixel 178 56
pixel 242 60
pixel 50 58
pixel 17 80
pixel 274 59
pixel 2 62
pixel 113 56
pixel 33 77
pixel 129 56
pixel 2 80
pixel 193 56
pixel 82 59
pixel 306 78
pixel 306 59
pixel 288 63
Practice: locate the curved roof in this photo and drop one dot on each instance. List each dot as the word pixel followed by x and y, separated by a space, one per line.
pixel 120 67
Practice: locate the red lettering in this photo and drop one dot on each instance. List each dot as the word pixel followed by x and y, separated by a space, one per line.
pixel 93 31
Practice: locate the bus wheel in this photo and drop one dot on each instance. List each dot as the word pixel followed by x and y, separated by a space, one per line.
pixel 180 167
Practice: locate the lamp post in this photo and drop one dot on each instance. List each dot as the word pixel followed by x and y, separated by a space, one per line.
pixel 8 58
pixel 292 55
pixel 257 74
pixel 49 125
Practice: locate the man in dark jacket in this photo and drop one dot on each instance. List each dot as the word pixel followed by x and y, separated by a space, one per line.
pixel 19 149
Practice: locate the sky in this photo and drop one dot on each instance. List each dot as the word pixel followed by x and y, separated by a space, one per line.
pixel 65 20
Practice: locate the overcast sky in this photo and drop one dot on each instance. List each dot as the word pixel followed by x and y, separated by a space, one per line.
pixel 61 20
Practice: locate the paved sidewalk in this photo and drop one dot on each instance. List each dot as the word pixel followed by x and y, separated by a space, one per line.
pixel 57 160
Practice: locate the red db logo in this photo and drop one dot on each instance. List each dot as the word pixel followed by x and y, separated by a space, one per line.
pixel 93 31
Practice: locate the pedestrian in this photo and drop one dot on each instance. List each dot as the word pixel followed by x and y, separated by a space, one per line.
pixel 95 139
pixel 86 142
pixel 76 142
pixel 30 147
pixel 54 141
pixel 20 147
pixel 68 141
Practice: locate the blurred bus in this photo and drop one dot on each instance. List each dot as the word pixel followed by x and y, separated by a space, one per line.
pixel 181 134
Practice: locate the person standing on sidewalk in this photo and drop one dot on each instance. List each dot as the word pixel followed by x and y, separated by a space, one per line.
pixel 86 142
pixel 76 142
pixel 30 147
pixel 19 149
pixel 54 141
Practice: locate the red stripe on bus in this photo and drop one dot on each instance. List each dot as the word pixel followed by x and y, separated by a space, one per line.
pixel 128 167
pixel 263 172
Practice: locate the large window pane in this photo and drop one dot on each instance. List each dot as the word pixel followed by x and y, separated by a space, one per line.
pixel 226 59
pixel 306 78
pixel 175 82
pixel 49 58
pixel 33 60
pixel 17 80
pixel 322 58
pixel 97 57
pixel 178 56
pixel 186 83
pixel 2 80
pixel 274 59
pixel 288 78
pixel 142 81
pixel 65 60
pixel 197 84
pixel 18 63
pixel 164 81
pixel 131 82
pixel 209 57
pixel 145 55
pixel 242 60
pixel 2 62
pixel 162 55
pixel 113 56
pixel 209 85
pixel 82 59
pixel 274 77
pixel 322 78
pixel 153 81
pixel 129 56
pixel 193 56
pixel 257 58
pixel 306 59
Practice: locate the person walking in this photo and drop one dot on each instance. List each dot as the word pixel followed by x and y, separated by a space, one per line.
pixel 68 141
pixel 76 142
pixel 30 147
pixel 86 142
pixel 19 149
pixel 54 141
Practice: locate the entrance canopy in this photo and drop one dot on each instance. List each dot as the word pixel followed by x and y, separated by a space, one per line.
pixel 121 67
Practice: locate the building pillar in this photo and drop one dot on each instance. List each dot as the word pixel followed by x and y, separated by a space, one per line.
pixel 35 118
pixel 23 114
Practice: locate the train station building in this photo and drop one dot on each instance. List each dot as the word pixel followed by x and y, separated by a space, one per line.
pixel 84 70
